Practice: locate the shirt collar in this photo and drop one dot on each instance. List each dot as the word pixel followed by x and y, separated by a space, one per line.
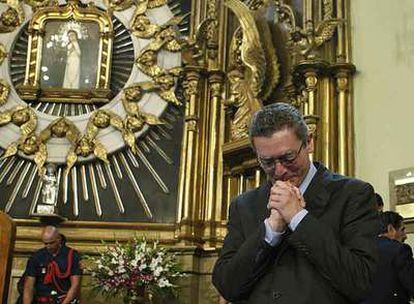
pixel 308 178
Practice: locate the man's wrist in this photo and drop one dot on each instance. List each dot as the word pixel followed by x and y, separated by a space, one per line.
pixel 278 228
pixel 297 218
pixel 272 237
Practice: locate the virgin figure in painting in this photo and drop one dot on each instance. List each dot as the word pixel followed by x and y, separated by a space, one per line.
pixel 72 70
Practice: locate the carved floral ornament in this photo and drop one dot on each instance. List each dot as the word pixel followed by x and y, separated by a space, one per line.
pixel 34 141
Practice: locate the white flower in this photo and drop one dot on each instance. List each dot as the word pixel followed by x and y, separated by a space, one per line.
pixel 164 283
pixel 142 267
pixel 155 262
pixel 158 271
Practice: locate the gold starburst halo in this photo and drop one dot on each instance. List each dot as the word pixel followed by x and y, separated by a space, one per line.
pixel 82 143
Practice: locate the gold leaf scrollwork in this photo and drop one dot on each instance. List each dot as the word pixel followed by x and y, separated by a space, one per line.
pixel 36 4
pixel 21 116
pixel 12 17
pixel 164 80
pixel 133 94
pixel 165 83
pixel 165 37
pixel 191 87
pixel 172 42
pixel 156 3
pixel 62 128
pixel 119 5
pixel 28 143
pixel 327 9
pixel 135 118
pixel 86 146
pixel 147 60
pixel 135 123
pixel 142 27
pixel 306 42
pixel 3 53
pixel 102 119
pixel 4 91
pixel 194 49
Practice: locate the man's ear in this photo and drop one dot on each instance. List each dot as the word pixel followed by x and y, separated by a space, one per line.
pixel 390 229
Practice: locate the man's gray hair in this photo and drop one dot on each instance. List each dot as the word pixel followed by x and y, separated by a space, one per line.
pixel 276 117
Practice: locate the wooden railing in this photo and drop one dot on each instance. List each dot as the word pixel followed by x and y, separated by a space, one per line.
pixel 7 238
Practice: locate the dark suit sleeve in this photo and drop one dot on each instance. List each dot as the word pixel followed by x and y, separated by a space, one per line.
pixel 348 259
pixel 404 264
pixel 242 260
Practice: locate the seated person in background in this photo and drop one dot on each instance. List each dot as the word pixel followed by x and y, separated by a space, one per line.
pixel 53 272
pixel 394 280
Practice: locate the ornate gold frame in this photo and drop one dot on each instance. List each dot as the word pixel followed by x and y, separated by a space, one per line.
pixel 31 90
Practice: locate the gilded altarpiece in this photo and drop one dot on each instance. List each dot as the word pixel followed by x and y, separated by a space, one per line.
pixel 151 138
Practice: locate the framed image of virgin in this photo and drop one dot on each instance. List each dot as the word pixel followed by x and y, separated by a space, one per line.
pixel 69 55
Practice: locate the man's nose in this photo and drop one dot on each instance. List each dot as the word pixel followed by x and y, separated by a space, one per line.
pixel 280 169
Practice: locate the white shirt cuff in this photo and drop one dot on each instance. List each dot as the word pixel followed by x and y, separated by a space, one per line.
pixel 272 237
pixel 297 218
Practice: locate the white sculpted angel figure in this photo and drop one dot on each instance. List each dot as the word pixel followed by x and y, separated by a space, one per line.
pixel 73 60
pixel 50 187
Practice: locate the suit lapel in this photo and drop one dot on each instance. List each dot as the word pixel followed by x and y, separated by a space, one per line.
pixel 317 194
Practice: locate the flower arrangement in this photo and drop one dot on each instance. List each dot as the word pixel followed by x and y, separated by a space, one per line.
pixel 135 270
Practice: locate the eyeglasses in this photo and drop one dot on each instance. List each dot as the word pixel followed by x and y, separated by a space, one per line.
pixel 286 160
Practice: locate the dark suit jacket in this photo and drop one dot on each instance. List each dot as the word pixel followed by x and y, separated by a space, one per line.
pixel 394 281
pixel 329 258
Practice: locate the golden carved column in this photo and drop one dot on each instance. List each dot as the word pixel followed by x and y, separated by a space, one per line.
pixel 342 88
pixel 345 123
pixel 327 125
pixel 188 183
pixel 214 161
pixel 308 13
pixel 213 125
pixel 310 71
pixel 343 49
pixel 309 113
